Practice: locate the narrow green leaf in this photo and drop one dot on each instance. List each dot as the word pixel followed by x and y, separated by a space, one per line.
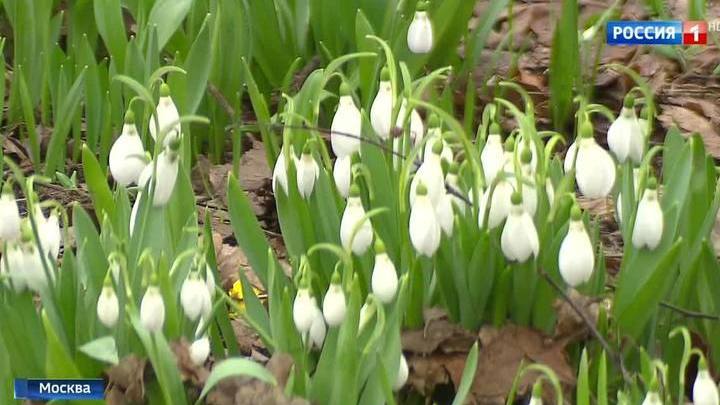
pixel 97 184
pixel 233 368
pixel 468 376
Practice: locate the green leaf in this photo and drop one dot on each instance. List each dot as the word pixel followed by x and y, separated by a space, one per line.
pixel 564 63
pixel 58 138
pixel 58 363
pixel 468 376
pixel 110 25
pixel 263 116
pixel 232 368
pixel 97 184
pixel 167 15
pixel 583 381
pixel 198 65
pixel 102 349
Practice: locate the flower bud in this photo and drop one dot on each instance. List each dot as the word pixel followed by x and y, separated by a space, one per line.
pixel 166 172
pixel 536 398
pixel 425 232
pixel 519 239
pixel 317 329
pixel 195 297
pixel 152 310
pixel 9 215
pixel 648 228
pixel 402 375
pixel 346 127
pixel 168 118
pixel 200 350
pixel 384 276
pixel 126 160
pixel 342 174
pixel 382 107
pixel 334 306
pixel 108 308
pixel 307 172
pixel 493 155
pixel 353 217
pixel 705 392
pixel 280 173
pixel 576 258
pixel 625 135
pixel 420 32
pixel 594 167
pixel 303 310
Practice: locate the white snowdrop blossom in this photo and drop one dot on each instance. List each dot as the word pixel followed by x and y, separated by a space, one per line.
pixel 402 374
pixel 127 155
pixel 353 217
pixel 168 118
pixel 420 32
pixel 152 310
pixel 705 391
pixel 430 174
pixel 636 188
pixel 9 215
pixel 12 264
pixel 382 107
pixel 648 229
pixel 303 312
pixel 195 297
pixel 342 174
pixel 519 239
pixel 367 311
pixel 493 154
pixel 346 127
pixel 446 214
pixel 334 306
pixel 625 135
pixel 279 176
pixel 499 205
pixel 434 136
pixel 652 398
pixel 166 173
pixel 308 172
pixel 425 232
pixel 576 258
pixel 32 267
pixel 108 308
pixel 384 276
pixel 200 350
pixel 317 329
pixel 594 167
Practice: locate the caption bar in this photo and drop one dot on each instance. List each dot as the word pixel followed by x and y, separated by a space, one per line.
pixel 657 32
pixel 47 390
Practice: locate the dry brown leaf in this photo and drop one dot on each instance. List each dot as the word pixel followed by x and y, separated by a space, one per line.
pixel 690 121
pixel 439 334
pixel 126 381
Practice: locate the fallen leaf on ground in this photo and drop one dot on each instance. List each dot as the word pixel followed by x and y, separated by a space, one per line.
pixel 126 381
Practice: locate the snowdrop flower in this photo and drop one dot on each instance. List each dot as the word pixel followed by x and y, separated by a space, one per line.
pixel 127 155
pixel 49 232
pixel 648 228
pixel 705 392
pixel 342 173
pixel 594 167
pixel 417 128
pixel 625 135
pixel 347 121
pixel 425 233
pixel 353 217
pixel 382 107
pixel 519 238
pixel 317 329
pixel 430 174
pixel 451 179
pixel 280 172
pixel 529 192
pixel 210 281
pixel 643 121
pixel 308 172
pixel 166 174
pixel 33 268
pixel 536 397
pixel 652 398
pixel 445 214
pixel 152 310
pixel 499 205
pixel 195 297
pixel 108 308
pixel 303 305
pixel 167 118
pixel 576 258
pixel 402 374
pixel 200 350
pixel 384 276
pixel 420 32
pixel 12 264
pixel 493 154
pixel 334 306
pixel 570 155
pixel 9 214
pixel 524 145
pixel 434 135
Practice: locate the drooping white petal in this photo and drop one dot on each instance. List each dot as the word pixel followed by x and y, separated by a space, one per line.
pixel 152 310
pixel 280 174
pixel 334 306
pixel 347 121
pixel 307 173
pixel 402 375
pixel 381 110
pixel 570 157
pixel 200 350
pixel 317 329
pixel 384 278
pixel 127 156
pixel 576 258
pixel 195 298
pixel 354 213
pixel 705 391
pixel 625 137
pixel 167 121
pixel 595 169
pixel 499 205
pixel 34 270
pixel 445 214
pixel 49 232
pixel 303 310
pixel 12 264
pixel 420 33
pixel 648 229
pixel 342 173
pixel 9 217
pixel 108 308
pixel 519 239
pixel 425 232
pixel 430 174
pixel 166 172
pixel 492 157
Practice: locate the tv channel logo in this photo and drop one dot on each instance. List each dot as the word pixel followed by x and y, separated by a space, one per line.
pixel 657 32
